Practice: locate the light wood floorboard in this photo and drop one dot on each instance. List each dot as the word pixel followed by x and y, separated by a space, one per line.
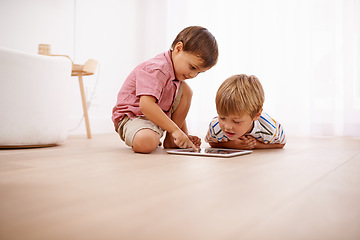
pixel 100 189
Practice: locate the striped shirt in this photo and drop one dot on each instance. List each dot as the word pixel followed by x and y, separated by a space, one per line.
pixel 265 130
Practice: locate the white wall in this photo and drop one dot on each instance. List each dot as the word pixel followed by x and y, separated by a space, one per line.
pixel 305 52
pixel 25 24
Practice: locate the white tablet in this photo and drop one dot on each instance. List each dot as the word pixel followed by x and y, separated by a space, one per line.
pixel 210 152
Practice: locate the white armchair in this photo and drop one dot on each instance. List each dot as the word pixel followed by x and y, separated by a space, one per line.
pixel 33 99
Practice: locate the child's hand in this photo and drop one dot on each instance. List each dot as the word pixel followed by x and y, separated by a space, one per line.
pixel 246 142
pixel 182 140
pixel 195 140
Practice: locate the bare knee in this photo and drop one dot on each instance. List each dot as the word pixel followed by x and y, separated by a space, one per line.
pixel 145 141
pixel 187 92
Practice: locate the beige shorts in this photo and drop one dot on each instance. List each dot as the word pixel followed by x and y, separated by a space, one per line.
pixel 127 128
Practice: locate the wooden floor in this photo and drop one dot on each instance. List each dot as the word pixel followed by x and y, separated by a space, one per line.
pixel 100 189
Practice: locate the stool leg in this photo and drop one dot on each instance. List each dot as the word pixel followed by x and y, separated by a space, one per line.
pixel 83 98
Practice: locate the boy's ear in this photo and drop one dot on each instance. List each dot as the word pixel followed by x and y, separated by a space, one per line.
pixel 179 47
pixel 258 115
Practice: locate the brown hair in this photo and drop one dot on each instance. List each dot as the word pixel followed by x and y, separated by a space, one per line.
pixel 199 41
pixel 240 94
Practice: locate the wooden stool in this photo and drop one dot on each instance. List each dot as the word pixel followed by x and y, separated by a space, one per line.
pixel 88 68
pixel 78 70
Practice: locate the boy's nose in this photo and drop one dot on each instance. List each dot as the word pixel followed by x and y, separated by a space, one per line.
pixel 227 126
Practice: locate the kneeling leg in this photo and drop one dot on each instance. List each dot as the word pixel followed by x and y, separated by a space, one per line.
pixel 145 141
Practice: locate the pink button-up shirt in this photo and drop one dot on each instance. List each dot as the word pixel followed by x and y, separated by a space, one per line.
pixel 155 77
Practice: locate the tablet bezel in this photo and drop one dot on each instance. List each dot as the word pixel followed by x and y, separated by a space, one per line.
pixel 190 151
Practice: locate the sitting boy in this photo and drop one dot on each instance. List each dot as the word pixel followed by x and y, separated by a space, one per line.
pixel 241 123
pixel 155 98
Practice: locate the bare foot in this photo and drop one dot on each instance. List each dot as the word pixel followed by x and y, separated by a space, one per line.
pixel 169 142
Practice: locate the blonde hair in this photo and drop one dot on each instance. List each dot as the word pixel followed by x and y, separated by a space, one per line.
pixel 199 41
pixel 240 94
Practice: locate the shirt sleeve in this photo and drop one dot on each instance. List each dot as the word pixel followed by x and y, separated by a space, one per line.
pixel 215 134
pixel 268 130
pixel 150 82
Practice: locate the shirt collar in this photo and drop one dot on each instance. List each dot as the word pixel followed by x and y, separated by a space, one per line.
pixel 168 58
